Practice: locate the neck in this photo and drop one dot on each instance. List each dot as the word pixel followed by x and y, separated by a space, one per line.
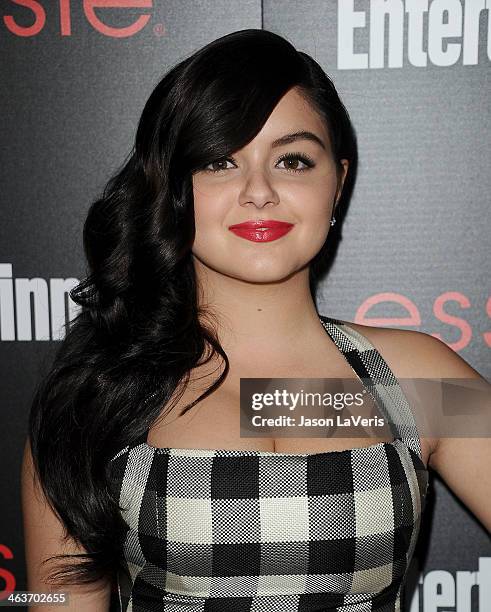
pixel 259 321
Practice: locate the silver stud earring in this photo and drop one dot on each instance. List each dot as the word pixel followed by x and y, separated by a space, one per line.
pixel 333 221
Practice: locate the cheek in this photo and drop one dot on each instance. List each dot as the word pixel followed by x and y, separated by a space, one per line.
pixel 208 208
pixel 312 205
pixel 210 216
pixel 312 202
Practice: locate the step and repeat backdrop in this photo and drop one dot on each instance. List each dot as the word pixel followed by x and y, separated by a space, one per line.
pixel 415 245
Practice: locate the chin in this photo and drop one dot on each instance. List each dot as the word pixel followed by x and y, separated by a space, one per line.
pixel 264 276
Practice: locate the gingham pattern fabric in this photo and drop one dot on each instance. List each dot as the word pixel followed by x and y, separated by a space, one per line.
pixel 259 531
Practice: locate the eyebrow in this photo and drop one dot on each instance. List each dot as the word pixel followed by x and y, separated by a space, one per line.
pixel 294 136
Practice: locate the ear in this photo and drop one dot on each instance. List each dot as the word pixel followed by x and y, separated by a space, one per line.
pixel 344 172
pixel 341 178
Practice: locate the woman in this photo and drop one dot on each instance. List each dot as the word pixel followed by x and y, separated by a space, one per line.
pixel 131 447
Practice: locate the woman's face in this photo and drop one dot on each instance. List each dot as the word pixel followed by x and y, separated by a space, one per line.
pixel 292 181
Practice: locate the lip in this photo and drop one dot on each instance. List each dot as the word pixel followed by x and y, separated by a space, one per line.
pixel 252 230
pixel 257 223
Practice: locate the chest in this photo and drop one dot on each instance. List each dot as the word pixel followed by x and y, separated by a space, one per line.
pixel 215 421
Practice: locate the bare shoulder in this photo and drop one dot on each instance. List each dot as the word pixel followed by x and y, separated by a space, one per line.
pixel 411 353
pixel 415 354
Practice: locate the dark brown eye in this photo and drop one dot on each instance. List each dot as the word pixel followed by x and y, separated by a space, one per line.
pixel 293 161
pixel 292 164
pixel 217 165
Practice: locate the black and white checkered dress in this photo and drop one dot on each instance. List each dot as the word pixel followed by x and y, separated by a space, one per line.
pixel 259 531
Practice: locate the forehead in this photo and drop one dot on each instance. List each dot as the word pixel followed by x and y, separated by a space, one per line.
pixel 293 113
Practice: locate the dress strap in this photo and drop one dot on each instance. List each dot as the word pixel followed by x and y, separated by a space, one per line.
pixel 379 380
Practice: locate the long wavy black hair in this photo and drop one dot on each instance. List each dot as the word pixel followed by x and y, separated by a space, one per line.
pixel 140 330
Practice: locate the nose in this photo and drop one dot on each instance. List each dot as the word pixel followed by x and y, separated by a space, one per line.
pixel 258 190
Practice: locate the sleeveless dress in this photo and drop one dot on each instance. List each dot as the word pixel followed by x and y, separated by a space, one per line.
pixel 260 531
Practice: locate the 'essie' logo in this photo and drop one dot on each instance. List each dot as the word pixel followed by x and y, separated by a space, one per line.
pixel 38 13
pixel 413 318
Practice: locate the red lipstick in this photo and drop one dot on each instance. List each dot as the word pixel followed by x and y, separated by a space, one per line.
pixel 261 230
